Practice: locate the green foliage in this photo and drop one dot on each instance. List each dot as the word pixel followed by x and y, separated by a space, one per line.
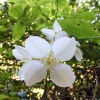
pixel 4 75
pixel 88 16
pixel 22 18
pixel 79 29
pixel 16 11
pixel 18 30
pixel 4 97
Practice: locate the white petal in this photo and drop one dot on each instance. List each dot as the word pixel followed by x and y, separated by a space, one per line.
pixel 64 48
pixel 37 46
pixel 17 55
pixel 62 75
pixel 23 51
pixel 48 32
pixel 61 34
pixel 77 43
pixel 57 27
pixel 35 72
pixel 78 54
pixel 22 70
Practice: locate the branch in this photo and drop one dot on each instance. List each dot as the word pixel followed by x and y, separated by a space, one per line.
pixel 94 95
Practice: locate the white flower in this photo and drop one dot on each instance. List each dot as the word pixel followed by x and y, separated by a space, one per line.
pixel 50 59
pixel 54 34
pixel 57 33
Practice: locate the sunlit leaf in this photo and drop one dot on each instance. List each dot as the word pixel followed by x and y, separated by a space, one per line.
pixel 16 11
pixel 15 1
pixel 79 29
pixel 88 15
pixel 18 31
pixel 61 3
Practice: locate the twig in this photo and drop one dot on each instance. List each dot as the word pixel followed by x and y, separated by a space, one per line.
pixel 94 95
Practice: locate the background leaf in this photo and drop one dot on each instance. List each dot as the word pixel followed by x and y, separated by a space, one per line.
pixel 18 31
pixel 16 11
pixel 79 29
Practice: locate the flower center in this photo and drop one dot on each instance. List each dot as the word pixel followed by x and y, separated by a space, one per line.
pixel 50 61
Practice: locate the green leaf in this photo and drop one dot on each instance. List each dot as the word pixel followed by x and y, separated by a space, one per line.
pixel 97 41
pixel 3 21
pixel 4 75
pixel 26 10
pixel 4 97
pixel 18 31
pixel 13 94
pixel 88 15
pixel 79 29
pixel 16 11
pixel 15 1
pixel 35 11
pixel 1 85
pixel 61 3
pixel 44 1
pixel 2 28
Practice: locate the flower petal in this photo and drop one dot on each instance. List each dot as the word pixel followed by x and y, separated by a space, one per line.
pixel 48 32
pixel 60 35
pixel 22 70
pixel 78 54
pixel 34 72
pixel 62 75
pixel 57 27
pixel 23 51
pixel 64 48
pixel 77 43
pixel 17 55
pixel 37 46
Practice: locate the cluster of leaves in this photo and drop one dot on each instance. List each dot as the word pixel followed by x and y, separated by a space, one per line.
pixel 21 18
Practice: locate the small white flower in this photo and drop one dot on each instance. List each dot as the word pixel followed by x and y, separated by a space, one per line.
pixel 54 34
pixel 57 33
pixel 50 59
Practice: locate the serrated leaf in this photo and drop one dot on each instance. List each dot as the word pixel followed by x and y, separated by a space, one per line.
pixel 16 11
pixel 79 29
pixel 18 31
